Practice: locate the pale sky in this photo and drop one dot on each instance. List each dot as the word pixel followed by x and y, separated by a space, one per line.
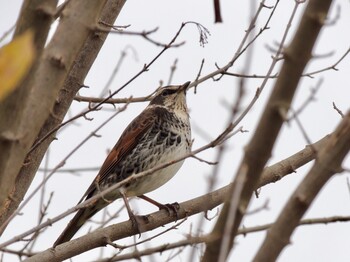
pixel 209 113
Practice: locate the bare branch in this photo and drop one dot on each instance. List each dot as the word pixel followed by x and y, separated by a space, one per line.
pixel 112 101
pixel 45 82
pixel 259 149
pixel 97 106
pixel 188 208
pixel 328 163
pixel 60 164
pixel 338 110
pixel 217 11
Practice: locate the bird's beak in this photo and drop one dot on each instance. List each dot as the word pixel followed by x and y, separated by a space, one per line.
pixel 184 87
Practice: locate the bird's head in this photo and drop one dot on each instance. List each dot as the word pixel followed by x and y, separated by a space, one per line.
pixel 171 97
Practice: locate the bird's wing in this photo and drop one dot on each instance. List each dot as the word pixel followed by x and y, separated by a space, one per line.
pixel 126 143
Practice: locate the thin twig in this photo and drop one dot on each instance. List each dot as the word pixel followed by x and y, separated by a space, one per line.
pixel 97 106
pixel 172 71
pixel 198 75
pixel 338 110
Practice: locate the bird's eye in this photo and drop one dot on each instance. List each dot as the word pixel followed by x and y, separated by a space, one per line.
pixel 167 92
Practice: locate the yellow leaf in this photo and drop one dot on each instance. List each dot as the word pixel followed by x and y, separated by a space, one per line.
pixel 16 59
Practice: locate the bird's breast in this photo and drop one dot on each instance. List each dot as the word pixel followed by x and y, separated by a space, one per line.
pixel 165 143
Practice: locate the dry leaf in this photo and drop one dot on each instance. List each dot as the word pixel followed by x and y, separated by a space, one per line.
pixel 16 59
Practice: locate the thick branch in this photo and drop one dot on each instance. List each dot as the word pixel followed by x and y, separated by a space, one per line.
pixel 37 16
pixel 328 162
pixel 72 84
pixel 289 165
pixel 259 149
pixel 57 59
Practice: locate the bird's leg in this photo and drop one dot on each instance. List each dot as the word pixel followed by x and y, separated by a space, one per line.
pixel 133 218
pixel 168 207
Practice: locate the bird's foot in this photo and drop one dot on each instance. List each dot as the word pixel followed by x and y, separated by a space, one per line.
pixel 173 207
pixel 138 223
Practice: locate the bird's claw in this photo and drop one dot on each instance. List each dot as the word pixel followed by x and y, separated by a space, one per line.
pixel 138 223
pixel 173 207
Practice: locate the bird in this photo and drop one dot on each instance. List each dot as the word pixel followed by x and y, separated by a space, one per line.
pixel 159 134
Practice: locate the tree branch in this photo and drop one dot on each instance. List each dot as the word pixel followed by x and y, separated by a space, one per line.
pixel 328 163
pixel 259 149
pixel 188 208
pixel 35 15
pixel 47 79
pixel 193 240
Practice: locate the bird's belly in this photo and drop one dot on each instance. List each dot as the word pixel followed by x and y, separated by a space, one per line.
pixel 151 182
pixel 155 180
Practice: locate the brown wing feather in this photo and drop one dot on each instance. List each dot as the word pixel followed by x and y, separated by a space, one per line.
pixel 125 145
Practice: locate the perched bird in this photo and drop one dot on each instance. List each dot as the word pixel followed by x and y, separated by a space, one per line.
pixel 160 134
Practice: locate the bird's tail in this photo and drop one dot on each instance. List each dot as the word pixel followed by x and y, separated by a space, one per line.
pixel 75 224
